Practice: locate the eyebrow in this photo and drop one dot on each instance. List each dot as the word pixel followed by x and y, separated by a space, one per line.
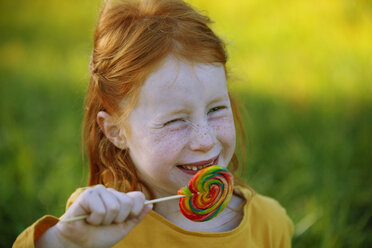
pixel 169 114
pixel 182 111
pixel 219 99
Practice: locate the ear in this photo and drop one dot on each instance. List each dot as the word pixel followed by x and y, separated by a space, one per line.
pixel 112 130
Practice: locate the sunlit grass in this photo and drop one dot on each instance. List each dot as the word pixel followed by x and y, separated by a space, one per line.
pixel 298 49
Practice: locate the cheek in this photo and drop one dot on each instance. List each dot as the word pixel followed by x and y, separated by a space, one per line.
pixel 225 130
pixel 168 143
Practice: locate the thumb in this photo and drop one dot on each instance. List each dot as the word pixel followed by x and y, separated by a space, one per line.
pixel 131 222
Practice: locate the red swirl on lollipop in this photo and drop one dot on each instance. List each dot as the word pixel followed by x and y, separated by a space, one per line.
pixel 208 193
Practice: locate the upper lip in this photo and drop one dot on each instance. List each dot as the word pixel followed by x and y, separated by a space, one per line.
pixel 200 163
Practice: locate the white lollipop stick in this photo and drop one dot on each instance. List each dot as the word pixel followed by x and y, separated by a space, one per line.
pixel 82 217
pixel 167 198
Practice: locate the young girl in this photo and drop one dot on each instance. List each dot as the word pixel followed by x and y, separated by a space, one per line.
pixel 157 111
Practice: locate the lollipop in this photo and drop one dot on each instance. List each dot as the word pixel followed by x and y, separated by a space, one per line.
pixel 208 193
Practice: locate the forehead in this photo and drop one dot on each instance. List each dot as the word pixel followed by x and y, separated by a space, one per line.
pixel 183 79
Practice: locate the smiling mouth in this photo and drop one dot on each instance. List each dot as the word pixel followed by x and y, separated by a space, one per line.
pixel 195 167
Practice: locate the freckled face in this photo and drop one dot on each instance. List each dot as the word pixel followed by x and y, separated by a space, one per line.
pixel 181 123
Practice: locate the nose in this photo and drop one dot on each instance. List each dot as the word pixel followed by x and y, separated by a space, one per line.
pixel 203 138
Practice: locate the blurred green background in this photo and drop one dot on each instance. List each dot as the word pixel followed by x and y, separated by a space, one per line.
pixel 301 69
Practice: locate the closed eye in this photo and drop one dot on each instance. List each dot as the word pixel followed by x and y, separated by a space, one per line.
pixel 172 121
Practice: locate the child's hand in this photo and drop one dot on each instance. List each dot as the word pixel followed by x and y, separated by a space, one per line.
pixel 112 215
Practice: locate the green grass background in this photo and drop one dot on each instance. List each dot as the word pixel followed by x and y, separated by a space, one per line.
pixel 301 69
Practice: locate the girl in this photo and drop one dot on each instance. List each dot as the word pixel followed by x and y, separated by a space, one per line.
pixel 157 111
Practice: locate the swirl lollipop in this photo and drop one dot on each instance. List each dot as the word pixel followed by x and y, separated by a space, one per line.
pixel 208 193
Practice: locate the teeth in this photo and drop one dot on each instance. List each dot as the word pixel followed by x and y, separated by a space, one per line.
pixel 195 168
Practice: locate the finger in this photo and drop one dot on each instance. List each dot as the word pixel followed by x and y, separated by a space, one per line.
pixel 132 222
pixel 146 209
pixel 138 199
pixel 126 205
pixel 111 204
pixel 92 203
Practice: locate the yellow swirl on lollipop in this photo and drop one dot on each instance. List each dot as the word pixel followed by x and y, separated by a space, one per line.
pixel 208 193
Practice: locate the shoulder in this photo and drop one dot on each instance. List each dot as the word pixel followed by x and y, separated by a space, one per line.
pixel 267 219
pixel 264 207
pixel 271 221
pixel 267 206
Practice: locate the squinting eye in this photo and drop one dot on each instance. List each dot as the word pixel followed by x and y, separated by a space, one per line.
pixel 215 109
pixel 172 121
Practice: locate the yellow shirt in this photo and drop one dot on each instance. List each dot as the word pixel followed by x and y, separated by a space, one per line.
pixel 264 224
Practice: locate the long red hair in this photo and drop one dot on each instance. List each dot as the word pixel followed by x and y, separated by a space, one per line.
pixel 131 40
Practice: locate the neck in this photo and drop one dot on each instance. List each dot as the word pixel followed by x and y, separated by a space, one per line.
pixel 227 220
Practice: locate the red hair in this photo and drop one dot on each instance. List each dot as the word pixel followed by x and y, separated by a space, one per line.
pixel 131 40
